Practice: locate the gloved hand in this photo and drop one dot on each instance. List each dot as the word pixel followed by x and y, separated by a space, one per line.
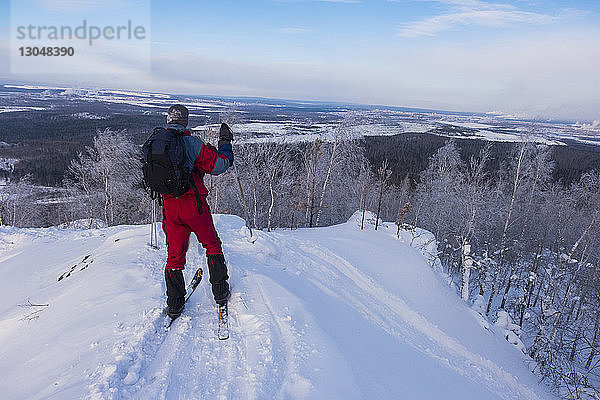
pixel 225 138
pixel 225 134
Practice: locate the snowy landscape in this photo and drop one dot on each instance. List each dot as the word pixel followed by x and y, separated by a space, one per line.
pixel 406 196
pixel 482 285
pixel 334 312
pixel 289 118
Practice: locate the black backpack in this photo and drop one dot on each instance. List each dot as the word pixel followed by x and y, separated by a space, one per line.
pixel 164 163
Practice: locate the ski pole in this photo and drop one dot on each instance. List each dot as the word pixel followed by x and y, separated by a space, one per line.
pixel 237 177
pixel 153 228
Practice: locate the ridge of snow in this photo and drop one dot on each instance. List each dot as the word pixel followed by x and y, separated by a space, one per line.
pixel 334 312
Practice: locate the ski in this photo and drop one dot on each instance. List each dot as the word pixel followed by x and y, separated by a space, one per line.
pixel 170 322
pixel 223 326
pixel 193 285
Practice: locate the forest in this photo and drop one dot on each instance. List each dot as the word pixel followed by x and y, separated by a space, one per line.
pixel 516 224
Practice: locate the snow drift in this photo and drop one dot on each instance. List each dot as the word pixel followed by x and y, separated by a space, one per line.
pixel 322 313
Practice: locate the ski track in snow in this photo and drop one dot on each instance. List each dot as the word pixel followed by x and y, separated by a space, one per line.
pixel 189 361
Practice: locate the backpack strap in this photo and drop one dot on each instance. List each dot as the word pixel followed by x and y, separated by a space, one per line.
pixel 196 193
pixel 198 198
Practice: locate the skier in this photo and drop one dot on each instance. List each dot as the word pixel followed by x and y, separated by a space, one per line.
pixel 190 212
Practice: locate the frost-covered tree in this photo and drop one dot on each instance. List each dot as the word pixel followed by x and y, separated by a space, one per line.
pixel 383 183
pixel 81 176
pixel 438 201
pixel 344 159
pixel 312 158
pixel 109 178
pixel 266 169
pixel 18 204
pixel 364 180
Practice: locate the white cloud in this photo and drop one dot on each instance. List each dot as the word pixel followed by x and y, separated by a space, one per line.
pixel 464 4
pixel 473 12
pixel 534 76
pixel 492 18
pixel 548 74
pixel 292 30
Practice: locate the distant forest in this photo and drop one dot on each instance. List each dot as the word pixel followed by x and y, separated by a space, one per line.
pixel 408 154
pixel 46 142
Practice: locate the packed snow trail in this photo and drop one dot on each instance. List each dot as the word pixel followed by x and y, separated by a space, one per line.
pixel 333 312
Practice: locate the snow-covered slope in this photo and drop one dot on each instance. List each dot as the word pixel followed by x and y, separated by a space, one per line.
pixel 326 313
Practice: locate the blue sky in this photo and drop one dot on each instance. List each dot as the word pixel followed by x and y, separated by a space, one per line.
pixel 537 58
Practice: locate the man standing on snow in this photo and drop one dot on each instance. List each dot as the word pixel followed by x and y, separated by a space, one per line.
pixel 190 212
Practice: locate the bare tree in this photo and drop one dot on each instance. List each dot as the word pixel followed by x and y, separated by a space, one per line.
pixel 507 221
pixel 312 156
pixel 18 204
pixel 383 179
pixel 109 176
pixel 81 176
pixel 340 149
pixel 365 180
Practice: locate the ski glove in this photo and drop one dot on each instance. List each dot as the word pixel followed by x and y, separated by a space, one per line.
pixel 225 134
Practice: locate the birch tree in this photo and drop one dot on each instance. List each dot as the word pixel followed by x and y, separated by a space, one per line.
pixel 18 205
pixel 110 178
pixel 507 221
pixel 383 181
pixel 312 156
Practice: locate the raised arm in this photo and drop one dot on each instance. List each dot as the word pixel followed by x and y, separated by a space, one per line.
pixel 208 159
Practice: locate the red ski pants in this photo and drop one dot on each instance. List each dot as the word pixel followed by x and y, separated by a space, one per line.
pixel 181 218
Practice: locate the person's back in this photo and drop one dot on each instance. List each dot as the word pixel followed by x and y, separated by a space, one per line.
pixel 190 212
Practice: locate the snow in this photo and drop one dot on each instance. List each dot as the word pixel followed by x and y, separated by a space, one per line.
pixel 512 332
pixel 19 109
pixel 86 223
pixel 416 127
pixel 35 87
pixel 87 115
pixel 465 124
pixel 593 126
pixel 478 309
pixel 8 164
pixel 334 312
